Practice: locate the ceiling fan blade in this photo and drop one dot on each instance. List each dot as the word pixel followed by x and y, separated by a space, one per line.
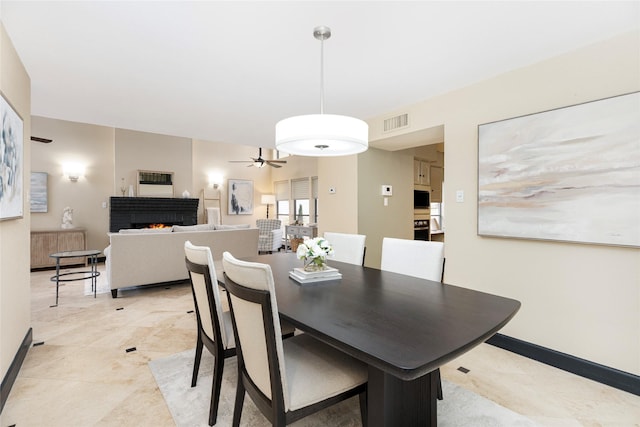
pixel 273 165
pixel 277 161
pixel 240 161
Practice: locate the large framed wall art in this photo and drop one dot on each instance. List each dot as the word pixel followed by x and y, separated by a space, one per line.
pixel 11 162
pixel 570 174
pixel 240 197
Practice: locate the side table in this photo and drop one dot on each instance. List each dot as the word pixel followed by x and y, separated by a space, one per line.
pixel 93 273
pixel 299 230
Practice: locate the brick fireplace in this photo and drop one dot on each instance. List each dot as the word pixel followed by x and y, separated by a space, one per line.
pixel 141 212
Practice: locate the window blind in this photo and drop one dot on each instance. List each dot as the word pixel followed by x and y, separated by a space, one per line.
pixel 300 189
pixel 314 187
pixel 282 190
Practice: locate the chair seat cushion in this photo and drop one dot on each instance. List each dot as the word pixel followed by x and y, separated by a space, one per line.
pixel 315 371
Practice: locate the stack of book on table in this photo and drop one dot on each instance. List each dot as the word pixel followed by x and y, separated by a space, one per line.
pixel 301 276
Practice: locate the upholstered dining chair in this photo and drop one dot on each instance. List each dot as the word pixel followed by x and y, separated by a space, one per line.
pixel 287 380
pixel 418 258
pixel 269 235
pixel 215 331
pixel 347 248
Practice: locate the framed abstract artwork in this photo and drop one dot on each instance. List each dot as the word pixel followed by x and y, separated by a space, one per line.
pixel 240 197
pixel 38 192
pixel 571 174
pixel 11 162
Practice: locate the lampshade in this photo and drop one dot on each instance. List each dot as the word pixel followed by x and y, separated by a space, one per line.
pixel 268 199
pixel 322 135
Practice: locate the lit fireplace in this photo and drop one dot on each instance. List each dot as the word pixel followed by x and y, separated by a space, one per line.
pixel 145 212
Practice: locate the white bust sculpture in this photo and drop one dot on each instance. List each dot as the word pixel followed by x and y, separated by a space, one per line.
pixel 67 217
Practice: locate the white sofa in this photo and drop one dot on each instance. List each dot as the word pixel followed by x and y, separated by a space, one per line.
pixel 144 257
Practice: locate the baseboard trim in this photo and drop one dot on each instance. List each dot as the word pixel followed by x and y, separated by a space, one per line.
pixel 12 373
pixel 584 368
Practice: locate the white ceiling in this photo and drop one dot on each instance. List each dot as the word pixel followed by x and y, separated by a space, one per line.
pixel 228 71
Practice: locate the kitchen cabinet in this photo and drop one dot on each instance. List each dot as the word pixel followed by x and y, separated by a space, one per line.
pixel 421 174
pixel 436 176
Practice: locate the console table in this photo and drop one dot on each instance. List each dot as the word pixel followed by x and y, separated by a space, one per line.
pixel 44 242
pixel 299 231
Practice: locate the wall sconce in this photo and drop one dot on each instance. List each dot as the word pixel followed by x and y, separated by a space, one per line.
pixel 215 179
pixel 73 171
pixel 268 199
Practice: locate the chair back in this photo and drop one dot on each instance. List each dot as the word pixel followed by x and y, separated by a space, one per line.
pixel 416 258
pixel 266 225
pixel 347 248
pixel 254 312
pixel 206 295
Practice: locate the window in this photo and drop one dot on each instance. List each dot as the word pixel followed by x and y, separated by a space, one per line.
pixel 282 201
pixel 436 214
pixel 300 195
pixel 314 195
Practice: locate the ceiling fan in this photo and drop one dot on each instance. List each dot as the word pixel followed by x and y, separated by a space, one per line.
pixel 259 162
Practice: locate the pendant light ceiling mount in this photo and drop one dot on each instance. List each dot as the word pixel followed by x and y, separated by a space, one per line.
pixel 322 135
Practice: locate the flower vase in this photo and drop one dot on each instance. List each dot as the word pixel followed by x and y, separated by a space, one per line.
pixel 314 264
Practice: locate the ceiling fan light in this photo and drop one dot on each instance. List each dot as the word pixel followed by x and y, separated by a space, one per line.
pixel 322 135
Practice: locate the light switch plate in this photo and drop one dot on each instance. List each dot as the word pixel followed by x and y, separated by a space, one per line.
pixel 459 196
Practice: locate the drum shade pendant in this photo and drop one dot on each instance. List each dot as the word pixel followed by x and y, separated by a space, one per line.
pixel 322 135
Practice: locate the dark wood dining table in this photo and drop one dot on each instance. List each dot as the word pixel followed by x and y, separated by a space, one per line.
pixel 402 327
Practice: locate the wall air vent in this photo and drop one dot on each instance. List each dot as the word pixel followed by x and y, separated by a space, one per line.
pixel 397 122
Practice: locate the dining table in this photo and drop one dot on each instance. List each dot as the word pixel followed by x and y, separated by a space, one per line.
pixel 402 327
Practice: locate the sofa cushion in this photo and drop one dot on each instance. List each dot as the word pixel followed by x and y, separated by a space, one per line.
pixel 145 230
pixel 231 227
pixel 198 227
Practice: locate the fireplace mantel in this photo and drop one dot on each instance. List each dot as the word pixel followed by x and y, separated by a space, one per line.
pixel 138 212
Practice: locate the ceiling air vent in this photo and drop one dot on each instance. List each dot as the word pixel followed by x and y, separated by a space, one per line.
pixel 397 122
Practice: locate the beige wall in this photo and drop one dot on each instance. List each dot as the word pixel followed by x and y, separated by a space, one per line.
pixel 213 157
pixel 339 210
pixel 579 299
pixel 15 298
pixel 375 220
pixel 88 145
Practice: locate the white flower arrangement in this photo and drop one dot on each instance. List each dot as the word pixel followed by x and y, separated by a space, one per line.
pixel 314 251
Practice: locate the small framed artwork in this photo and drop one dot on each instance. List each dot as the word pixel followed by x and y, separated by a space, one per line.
pixel 11 162
pixel 39 191
pixel 240 197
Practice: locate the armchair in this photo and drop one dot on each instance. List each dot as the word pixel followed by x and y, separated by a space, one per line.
pixel 269 235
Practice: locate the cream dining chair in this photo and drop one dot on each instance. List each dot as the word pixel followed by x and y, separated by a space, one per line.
pixel 215 331
pixel 347 248
pixel 417 258
pixel 286 379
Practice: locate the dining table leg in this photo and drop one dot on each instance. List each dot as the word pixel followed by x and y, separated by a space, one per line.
pixel 395 402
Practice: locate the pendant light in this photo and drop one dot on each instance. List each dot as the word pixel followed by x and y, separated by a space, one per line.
pixel 322 135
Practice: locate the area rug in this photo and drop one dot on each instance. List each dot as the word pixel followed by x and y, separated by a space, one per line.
pixel 190 406
pixel 103 284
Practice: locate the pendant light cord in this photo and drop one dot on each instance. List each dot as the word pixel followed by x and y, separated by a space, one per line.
pixel 322 76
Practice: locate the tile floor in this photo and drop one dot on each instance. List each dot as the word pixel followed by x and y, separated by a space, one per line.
pixel 82 374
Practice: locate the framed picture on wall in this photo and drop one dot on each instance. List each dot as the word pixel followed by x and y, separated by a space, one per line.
pixel 569 174
pixel 11 162
pixel 240 197
pixel 38 192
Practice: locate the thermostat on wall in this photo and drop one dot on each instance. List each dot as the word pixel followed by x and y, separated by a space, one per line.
pixel 387 190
